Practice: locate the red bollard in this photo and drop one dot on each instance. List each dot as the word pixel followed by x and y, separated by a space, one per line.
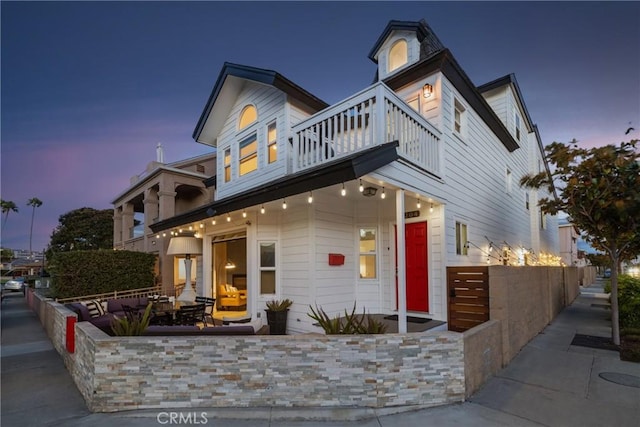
pixel 71 334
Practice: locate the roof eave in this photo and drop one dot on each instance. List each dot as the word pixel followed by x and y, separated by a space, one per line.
pixel 341 170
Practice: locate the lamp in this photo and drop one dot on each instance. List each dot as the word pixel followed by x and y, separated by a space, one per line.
pixel 427 90
pixel 369 191
pixel 186 246
pixel 230 265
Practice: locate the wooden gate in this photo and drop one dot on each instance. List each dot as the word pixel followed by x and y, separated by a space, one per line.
pixel 468 290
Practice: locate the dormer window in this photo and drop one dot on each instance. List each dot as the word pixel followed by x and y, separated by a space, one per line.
pixel 248 115
pixel 398 55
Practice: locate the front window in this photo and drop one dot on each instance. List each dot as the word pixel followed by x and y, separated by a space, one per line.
pixel 461 239
pixel 368 253
pixel 248 115
pixel 398 55
pixel 227 165
pixel 272 141
pixel 248 155
pixel 267 268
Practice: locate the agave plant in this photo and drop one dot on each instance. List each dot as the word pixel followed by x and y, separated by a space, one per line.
pixel 350 324
pixel 127 328
pixel 279 305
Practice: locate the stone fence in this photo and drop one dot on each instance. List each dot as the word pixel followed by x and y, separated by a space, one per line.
pixel 389 371
pixel 309 370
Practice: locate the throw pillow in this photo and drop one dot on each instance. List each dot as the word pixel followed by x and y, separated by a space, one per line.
pixel 95 308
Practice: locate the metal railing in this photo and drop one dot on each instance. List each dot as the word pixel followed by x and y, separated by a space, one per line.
pixel 142 292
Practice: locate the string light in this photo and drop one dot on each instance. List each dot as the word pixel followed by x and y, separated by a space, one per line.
pixel 262 209
pixel 310 198
pixel 418 205
pixel 228 218
pixel 191 228
pixel 201 225
pixel 213 221
pixel 361 187
pixel 431 208
pixel 157 236
pixel 344 190
pixel 244 214
pixel 284 203
pixel 164 234
pixel 382 196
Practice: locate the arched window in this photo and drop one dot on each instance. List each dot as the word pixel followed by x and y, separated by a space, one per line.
pixel 398 55
pixel 247 116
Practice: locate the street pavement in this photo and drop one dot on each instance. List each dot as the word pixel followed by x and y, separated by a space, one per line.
pixel 549 383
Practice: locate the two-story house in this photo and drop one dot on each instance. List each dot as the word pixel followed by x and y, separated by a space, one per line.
pixel 310 197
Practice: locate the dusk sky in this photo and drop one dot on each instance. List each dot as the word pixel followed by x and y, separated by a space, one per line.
pixel 90 88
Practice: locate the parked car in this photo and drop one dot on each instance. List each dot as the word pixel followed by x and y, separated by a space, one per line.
pixel 14 285
pixel 607 273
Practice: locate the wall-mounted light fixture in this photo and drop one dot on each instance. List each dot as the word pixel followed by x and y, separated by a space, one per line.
pixel 343 192
pixel 369 191
pixel 284 203
pixel 427 90
pixel 262 211
pixel 382 196
pixel 310 198
pixel 418 204
pixel 361 187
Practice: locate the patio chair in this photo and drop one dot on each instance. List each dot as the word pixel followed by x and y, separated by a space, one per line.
pixel 190 315
pixel 208 310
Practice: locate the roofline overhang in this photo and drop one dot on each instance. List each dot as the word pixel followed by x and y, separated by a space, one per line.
pixel 344 169
pixel 260 75
pixel 444 62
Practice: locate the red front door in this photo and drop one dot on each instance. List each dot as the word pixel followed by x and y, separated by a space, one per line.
pixel 415 235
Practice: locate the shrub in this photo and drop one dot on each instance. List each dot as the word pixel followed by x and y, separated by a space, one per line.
pixel 629 301
pixel 124 327
pixel 350 324
pixel 78 273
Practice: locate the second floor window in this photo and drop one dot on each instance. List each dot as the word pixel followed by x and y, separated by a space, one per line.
pixel 272 143
pixel 248 155
pixel 458 118
pixel 227 165
pixel 248 115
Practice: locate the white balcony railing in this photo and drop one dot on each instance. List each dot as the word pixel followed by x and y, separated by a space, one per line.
pixel 371 117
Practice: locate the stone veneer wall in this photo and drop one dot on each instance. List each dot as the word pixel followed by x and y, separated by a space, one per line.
pixel 313 370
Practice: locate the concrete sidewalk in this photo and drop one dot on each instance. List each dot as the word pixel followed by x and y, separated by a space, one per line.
pixel 550 383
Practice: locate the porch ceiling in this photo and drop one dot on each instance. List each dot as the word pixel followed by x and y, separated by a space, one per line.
pixel 344 169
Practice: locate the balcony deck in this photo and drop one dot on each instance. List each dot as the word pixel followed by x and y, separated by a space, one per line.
pixel 374 116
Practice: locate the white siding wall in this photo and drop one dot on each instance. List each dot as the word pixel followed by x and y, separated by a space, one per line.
pixel 270 103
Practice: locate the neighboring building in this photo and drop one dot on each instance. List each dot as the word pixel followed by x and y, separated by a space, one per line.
pixel 309 196
pixel 569 237
pixel 161 192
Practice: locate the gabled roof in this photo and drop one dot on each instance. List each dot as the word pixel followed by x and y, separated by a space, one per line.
pixel 429 42
pixel 259 75
pixel 447 65
pixel 344 169
pixel 509 79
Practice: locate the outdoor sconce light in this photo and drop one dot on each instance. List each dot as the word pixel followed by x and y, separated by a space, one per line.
pixel 427 90
pixel 186 246
pixel 369 191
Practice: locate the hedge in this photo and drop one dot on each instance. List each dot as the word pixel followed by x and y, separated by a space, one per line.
pixel 628 300
pixel 78 273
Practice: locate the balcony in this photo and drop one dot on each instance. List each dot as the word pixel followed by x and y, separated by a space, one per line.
pixel 371 117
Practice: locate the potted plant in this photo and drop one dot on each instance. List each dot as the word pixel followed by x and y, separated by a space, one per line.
pixel 277 311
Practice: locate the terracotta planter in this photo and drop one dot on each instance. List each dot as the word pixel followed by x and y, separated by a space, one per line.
pixel 277 321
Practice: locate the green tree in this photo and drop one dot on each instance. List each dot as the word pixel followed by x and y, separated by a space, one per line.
pixel 7 207
pixel 83 229
pixel 599 188
pixel 6 255
pixel 34 203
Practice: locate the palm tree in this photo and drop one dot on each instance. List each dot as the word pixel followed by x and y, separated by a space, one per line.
pixel 35 203
pixel 7 206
